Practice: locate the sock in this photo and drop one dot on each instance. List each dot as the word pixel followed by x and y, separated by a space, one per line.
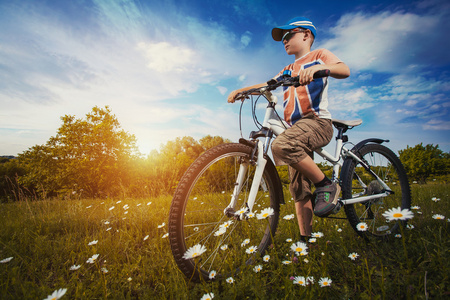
pixel 324 182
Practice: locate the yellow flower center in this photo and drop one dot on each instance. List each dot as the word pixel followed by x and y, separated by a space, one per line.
pixel 397 215
pixel 298 249
pixel 265 215
pixel 325 283
pixel 195 254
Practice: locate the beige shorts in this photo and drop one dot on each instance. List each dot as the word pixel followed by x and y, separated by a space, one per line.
pixel 297 142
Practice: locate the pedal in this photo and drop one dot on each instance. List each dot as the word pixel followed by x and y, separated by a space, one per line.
pixel 337 208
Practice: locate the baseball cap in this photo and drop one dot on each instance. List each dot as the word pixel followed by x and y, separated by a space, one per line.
pixel 277 32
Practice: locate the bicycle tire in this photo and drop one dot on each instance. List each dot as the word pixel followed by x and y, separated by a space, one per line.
pixel 197 211
pixel 389 168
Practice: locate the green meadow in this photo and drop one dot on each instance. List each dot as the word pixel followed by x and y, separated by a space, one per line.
pixel 54 243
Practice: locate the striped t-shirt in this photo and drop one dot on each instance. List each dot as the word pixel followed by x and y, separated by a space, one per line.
pixel 309 98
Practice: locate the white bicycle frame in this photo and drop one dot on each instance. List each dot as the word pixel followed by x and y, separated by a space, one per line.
pixel 273 123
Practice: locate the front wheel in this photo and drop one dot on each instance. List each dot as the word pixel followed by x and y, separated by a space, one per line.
pixel 358 181
pixel 198 217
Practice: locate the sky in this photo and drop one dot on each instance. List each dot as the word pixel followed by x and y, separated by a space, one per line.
pixel 165 68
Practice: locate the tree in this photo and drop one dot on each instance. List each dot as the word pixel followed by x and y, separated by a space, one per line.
pixel 421 162
pixel 87 155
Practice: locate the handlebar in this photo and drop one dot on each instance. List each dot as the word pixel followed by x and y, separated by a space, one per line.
pixel 273 84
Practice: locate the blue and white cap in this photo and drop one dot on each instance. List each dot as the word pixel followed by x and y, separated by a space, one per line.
pixel 277 32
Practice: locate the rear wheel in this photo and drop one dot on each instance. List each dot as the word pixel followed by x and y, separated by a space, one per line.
pixel 197 214
pixel 357 181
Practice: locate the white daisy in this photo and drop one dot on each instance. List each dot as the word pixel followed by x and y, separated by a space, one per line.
pixel 410 226
pixel 299 247
pixel 245 242
pixel 6 260
pixel 250 215
pixel 226 224
pixel 312 240
pixel 415 207
pixel 266 212
pixel 257 268
pixel 317 234
pixel 162 225
pixel 398 214
pixel 111 208
pixel 93 243
pixel 325 281
pixel 300 280
pixel 220 232
pixel 339 230
pixel 104 270
pixel 353 256
pixel 286 262
pixel 230 280
pixel 251 250
pixel 194 251
pixel 224 247
pixel 146 237
pixel 398 235
pixel 436 199
pixel 212 274
pixel 289 217
pixel 438 217
pixel 309 280
pixel 266 258
pixel 240 213
pixel 75 267
pixel 207 296
pixel 361 226
pixel 92 259
pixel 288 240
pixel 165 235
pixel 56 294
pixel 306 260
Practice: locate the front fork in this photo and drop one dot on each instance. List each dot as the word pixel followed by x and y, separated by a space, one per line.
pixel 257 177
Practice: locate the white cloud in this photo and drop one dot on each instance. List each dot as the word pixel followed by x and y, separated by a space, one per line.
pixel 390 41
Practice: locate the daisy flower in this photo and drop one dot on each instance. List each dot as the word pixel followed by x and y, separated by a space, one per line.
pixel 149 203
pixel 224 247
pixel 289 240
pixel 300 280
pixel 245 242
pixel 146 237
pixel 287 262
pixel 257 268
pixel 75 267
pixel 309 280
pixel 299 247
pixel 266 258
pixel 240 213
pixel 56 294
pixel 125 207
pixel 288 217
pixel 220 231
pixel 266 212
pixel 6 260
pixel 165 235
pixel 317 234
pixel 92 259
pixel 353 255
pixel 129 279
pixel 250 215
pixel 398 214
pixel 207 296
pixel 415 207
pixel 339 230
pixel 398 235
pixel 436 199
pixel 312 240
pixel 111 208
pixel 118 201
pixel 226 224
pixel 93 243
pixel 230 280
pixel 104 270
pixel 361 226
pixel 212 274
pixel 162 225
pixel 325 281
pixel 194 251
pixel 306 260
pixel 251 250
pixel 438 217
pixel 410 226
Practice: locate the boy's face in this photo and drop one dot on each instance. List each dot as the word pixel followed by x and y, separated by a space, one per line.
pixel 296 40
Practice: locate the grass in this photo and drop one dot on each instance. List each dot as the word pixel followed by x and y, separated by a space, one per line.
pixel 46 238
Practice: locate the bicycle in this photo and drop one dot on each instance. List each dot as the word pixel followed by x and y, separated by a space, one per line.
pixel 216 200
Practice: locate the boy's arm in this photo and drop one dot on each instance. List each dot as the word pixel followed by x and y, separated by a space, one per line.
pixel 232 95
pixel 338 70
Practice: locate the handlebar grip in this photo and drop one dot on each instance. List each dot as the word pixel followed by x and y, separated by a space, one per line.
pixel 321 73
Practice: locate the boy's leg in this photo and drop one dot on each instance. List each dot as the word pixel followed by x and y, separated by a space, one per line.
pixel 304 213
pixel 300 188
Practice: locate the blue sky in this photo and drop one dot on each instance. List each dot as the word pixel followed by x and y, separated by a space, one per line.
pixel 166 67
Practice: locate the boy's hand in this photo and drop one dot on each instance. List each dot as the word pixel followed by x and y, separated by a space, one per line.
pixel 232 96
pixel 306 76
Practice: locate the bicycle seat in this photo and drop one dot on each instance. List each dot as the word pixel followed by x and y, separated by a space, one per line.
pixel 346 124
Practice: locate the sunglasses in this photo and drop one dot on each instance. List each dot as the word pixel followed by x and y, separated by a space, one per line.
pixel 288 35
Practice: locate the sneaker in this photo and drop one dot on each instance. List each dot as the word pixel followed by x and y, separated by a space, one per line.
pixel 326 199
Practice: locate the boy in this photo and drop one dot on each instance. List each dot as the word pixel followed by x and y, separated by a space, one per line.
pixel 305 109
